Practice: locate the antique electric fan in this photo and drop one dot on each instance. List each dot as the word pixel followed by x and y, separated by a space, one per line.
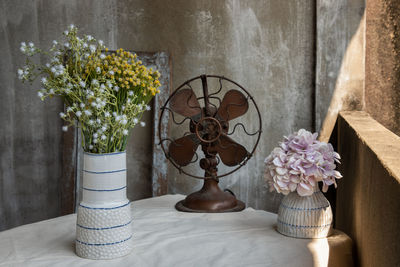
pixel 209 128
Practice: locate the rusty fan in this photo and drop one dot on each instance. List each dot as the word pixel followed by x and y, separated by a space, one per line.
pixel 209 128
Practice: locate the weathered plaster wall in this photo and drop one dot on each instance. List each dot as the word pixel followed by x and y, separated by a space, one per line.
pixel 368 195
pixel 382 77
pixel 267 46
pixel 340 60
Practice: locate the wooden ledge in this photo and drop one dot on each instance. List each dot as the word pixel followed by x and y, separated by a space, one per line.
pixel 384 143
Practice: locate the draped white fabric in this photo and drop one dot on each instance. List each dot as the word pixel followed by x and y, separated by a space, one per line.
pixel 165 237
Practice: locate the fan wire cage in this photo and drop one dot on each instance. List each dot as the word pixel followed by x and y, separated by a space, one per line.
pixel 209 128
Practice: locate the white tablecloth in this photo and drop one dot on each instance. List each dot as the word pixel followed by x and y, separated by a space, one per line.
pixel 166 237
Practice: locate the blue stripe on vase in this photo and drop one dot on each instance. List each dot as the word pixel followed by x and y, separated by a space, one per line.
pixel 105 228
pixel 103 190
pixel 301 209
pixel 104 154
pixel 91 208
pixel 304 226
pixel 103 244
pixel 122 170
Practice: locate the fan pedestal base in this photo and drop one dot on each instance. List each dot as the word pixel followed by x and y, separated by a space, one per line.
pixel 210 199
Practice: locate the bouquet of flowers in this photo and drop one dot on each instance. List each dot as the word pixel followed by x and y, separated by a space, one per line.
pixel 299 163
pixel 105 94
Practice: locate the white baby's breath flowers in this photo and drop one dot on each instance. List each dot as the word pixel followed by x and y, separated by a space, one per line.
pixel 23 47
pixel 92 48
pixel 142 123
pixel 20 74
pixel 101 97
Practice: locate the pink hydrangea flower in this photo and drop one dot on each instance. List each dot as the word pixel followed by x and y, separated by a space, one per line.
pixel 299 163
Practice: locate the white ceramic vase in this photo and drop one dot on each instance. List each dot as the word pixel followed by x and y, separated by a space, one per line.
pixel 104 223
pixel 305 217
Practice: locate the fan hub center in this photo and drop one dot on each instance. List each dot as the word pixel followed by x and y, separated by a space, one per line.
pixel 208 129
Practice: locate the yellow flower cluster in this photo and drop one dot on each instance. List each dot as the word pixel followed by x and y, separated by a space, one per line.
pixel 128 73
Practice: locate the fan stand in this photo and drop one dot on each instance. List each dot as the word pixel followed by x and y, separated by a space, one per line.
pixel 210 199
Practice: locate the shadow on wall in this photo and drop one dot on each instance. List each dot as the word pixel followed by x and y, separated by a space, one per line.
pixel 348 93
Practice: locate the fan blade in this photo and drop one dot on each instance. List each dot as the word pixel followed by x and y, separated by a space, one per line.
pixel 230 152
pixel 185 103
pixel 182 149
pixel 233 105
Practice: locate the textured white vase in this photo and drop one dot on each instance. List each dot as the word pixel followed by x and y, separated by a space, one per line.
pixel 103 229
pixel 305 217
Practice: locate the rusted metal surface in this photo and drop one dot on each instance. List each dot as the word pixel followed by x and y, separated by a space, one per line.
pixel 209 128
pixel 210 199
pixel 69 170
pixel 235 105
pixel 160 164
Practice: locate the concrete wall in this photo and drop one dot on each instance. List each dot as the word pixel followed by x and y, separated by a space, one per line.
pixel 340 61
pixel 382 72
pixel 267 46
pixel 368 195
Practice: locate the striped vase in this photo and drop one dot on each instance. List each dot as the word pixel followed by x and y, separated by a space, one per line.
pixel 305 217
pixel 103 229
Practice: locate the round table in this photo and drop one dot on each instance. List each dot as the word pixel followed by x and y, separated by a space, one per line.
pixel 166 237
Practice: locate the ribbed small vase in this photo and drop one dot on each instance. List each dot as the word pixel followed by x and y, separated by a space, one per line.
pixel 103 229
pixel 305 217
